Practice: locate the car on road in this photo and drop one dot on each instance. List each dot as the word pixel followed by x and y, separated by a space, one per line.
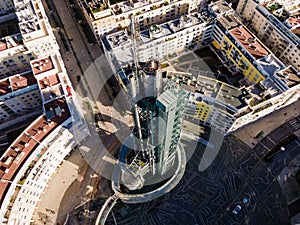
pixel 236 210
pixel 245 200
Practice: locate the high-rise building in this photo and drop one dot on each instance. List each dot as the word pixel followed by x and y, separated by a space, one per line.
pixel 171 105
pixel 158 107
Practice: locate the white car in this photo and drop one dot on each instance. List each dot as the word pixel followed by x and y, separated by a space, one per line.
pixel 236 210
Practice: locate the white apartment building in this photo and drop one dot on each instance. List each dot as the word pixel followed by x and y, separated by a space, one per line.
pixel 6 6
pixel 104 17
pixel 20 98
pixel 159 40
pixel 217 105
pixel 212 102
pixel 267 107
pixel 289 4
pixel 17 50
pixel 226 108
pixel 272 32
pixel 42 146
pixel 43 87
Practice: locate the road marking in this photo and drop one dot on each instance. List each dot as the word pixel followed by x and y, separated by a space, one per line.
pixel 264 146
pixel 271 140
pixel 110 160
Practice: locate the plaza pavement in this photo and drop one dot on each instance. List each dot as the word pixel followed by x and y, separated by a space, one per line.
pixel 50 202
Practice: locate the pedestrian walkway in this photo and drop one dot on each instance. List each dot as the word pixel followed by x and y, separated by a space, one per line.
pixel 50 202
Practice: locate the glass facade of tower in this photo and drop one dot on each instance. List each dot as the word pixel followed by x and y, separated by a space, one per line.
pixel 171 104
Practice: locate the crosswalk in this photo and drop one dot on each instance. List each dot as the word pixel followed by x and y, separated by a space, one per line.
pixel 295 123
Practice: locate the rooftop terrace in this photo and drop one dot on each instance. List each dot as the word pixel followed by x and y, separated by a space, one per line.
pixel 290 76
pixel 24 10
pixel 212 88
pixel 96 5
pixel 16 82
pixel 42 65
pixel 249 42
pixel 22 81
pixel 118 39
pixel 277 10
pixel 220 6
pixel 10 41
pixel 155 31
pixel 184 22
pixel 165 29
pixel 229 21
pixel 29 26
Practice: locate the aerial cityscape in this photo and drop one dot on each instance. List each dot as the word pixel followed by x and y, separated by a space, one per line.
pixel 150 112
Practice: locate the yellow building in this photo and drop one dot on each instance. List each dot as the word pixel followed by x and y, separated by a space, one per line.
pixel 243 49
pixel 202 111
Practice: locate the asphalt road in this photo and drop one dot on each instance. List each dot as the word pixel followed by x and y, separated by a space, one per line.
pixel 79 57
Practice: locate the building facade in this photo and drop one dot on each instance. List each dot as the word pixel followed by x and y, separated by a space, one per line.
pixel 171 105
pixel 20 97
pixel 34 83
pixel 272 32
pixel 6 6
pixel 160 40
pixel 104 17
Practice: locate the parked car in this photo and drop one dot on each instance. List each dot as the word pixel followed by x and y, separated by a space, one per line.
pixel 236 210
pixel 245 200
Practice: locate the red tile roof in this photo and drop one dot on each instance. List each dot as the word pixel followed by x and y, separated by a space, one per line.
pixel 42 65
pixel 60 110
pixel 49 81
pixel 293 21
pixel 24 145
pixel 3 45
pixel 249 42
pixel 4 87
pixel 22 81
pixel 16 82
